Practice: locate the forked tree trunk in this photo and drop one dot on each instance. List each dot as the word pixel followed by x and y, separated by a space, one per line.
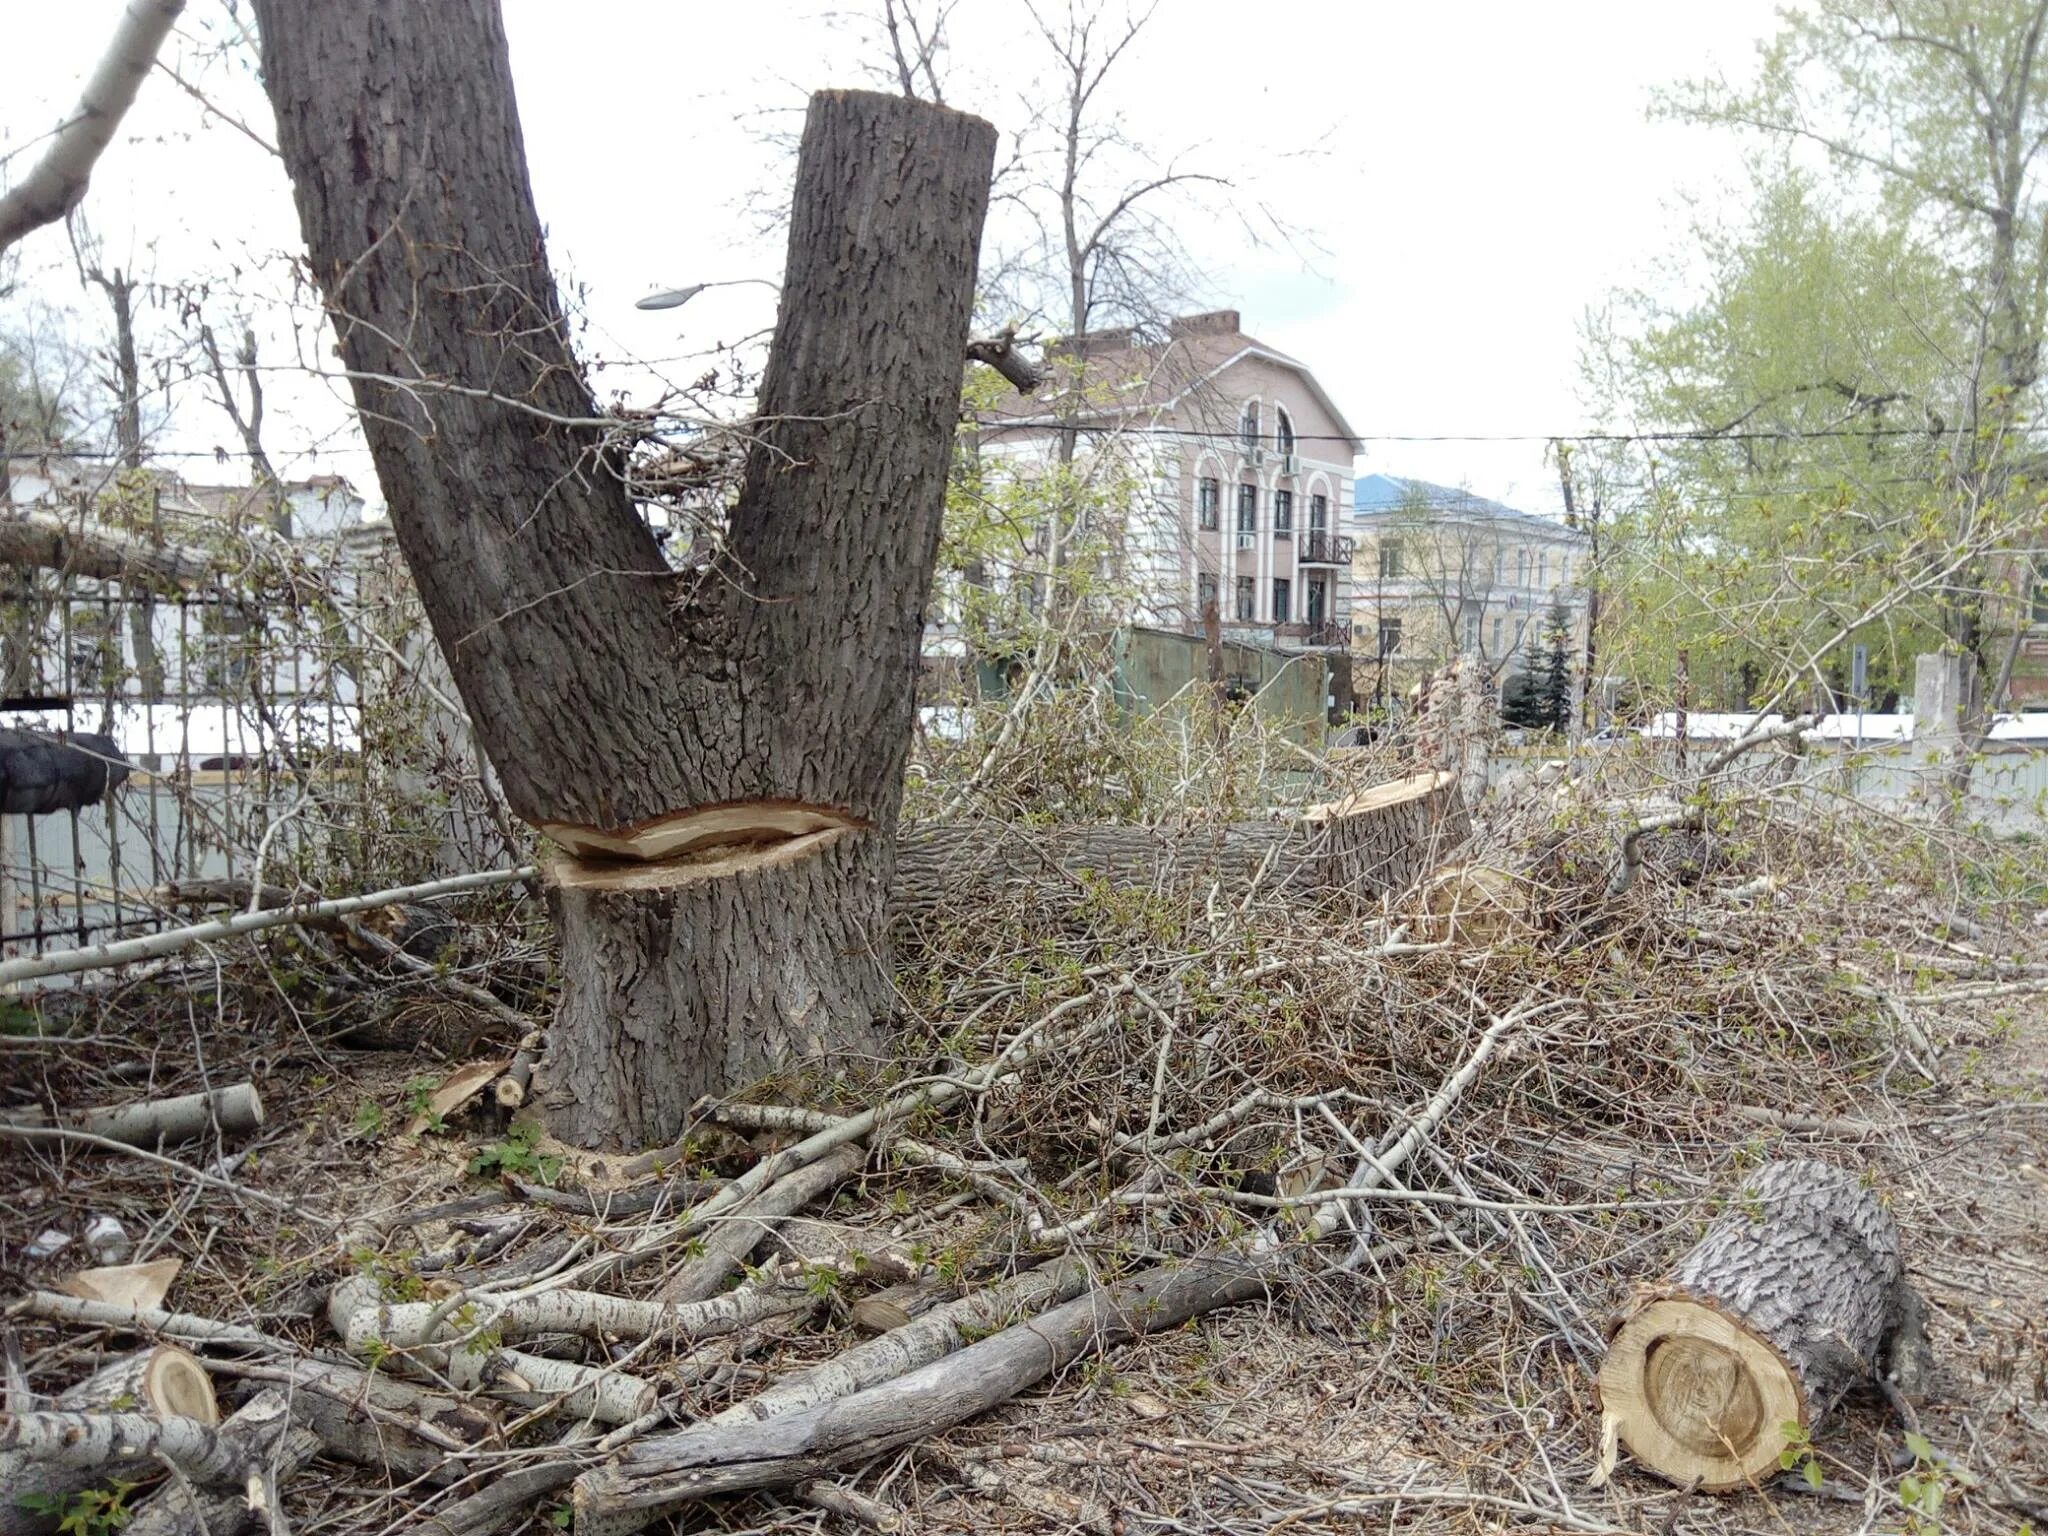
pixel 720 751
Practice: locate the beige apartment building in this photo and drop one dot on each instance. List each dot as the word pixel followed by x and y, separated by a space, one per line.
pixel 1438 572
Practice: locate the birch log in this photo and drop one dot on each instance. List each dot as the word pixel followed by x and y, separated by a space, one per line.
pixel 164 1382
pixel 277 1448
pixel 1783 1306
pixel 358 1314
pixel 237 1110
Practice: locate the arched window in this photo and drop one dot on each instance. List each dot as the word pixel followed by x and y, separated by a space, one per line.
pixel 1521 567
pixel 1283 431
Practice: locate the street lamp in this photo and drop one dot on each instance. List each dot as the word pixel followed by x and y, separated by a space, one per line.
pixel 675 298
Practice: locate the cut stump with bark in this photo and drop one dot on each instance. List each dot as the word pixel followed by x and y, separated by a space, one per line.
pixel 1785 1304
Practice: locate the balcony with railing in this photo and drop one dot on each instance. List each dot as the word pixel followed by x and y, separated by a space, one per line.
pixel 1318 546
pixel 1310 636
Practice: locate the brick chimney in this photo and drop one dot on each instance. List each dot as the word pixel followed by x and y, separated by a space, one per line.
pixel 1215 322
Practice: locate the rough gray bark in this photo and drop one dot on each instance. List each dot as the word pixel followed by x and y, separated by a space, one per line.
pixel 1809 1259
pixel 1786 1303
pixel 608 692
pixel 1376 843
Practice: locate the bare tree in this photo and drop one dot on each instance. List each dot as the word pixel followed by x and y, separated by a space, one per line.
pixel 719 752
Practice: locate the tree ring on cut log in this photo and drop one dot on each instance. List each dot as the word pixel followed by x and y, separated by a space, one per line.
pixel 1690 1388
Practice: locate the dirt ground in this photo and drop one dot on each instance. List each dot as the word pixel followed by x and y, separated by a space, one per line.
pixel 1448 1389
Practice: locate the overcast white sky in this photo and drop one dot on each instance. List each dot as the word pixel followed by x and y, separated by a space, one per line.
pixel 1485 174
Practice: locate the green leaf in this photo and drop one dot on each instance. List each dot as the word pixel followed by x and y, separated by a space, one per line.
pixel 1812 1473
pixel 1920 1446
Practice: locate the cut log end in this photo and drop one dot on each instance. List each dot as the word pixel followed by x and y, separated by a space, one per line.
pixel 1696 1396
pixel 175 1385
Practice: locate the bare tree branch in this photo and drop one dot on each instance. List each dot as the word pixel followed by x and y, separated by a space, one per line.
pixel 59 179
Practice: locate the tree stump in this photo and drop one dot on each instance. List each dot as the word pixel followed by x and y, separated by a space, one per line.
pixel 1473 904
pixel 1784 1305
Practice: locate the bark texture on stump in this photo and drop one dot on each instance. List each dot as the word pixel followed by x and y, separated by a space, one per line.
pixel 630 710
pixel 1784 1305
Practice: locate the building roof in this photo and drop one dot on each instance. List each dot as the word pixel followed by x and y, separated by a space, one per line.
pixel 1392 495
pixel 1134 379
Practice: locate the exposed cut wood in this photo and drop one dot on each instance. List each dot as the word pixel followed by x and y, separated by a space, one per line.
pixel 1474 904
pixel 706 826
pixel 125 1285
pixel 164 1382
pixel 458 1089
pixel 278 1448
pixel 1783 1306
pixel 717 862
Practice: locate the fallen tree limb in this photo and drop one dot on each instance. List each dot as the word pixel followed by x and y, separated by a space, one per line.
pixel 588 1314
pixel 356 1311
pixel 741 1230
pixel 95 1440
pixel 375 1420
pixel 1773 1316
pixel 276 1448
pixel 164 1382
pixel 182 1326
pixel 237 1110
pixel 172 940
pixel 659 1474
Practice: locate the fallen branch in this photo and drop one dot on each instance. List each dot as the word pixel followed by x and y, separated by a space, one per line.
pixel 740 1231
pixel 276 1448
pixel 656 1475
pixel 100 1439
pixel 356 1312
pixel 236 1110
pixel 173 940
pixel 587 1314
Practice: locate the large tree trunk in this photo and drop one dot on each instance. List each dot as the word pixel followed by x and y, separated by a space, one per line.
pixel 708 725
pixel 1784 1305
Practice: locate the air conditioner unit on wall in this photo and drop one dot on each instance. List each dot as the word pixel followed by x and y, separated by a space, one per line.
pixel 1290 464
pixel 1244 540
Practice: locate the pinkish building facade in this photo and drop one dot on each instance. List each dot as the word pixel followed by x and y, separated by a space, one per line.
pixel 1244 469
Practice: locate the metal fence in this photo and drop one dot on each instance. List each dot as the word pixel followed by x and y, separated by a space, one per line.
pixel 298 733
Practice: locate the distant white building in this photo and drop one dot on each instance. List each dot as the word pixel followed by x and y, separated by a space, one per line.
pixel 89 647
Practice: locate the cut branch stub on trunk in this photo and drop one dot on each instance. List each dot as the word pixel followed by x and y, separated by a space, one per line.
pixel 631 710
pixel 1784 1305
